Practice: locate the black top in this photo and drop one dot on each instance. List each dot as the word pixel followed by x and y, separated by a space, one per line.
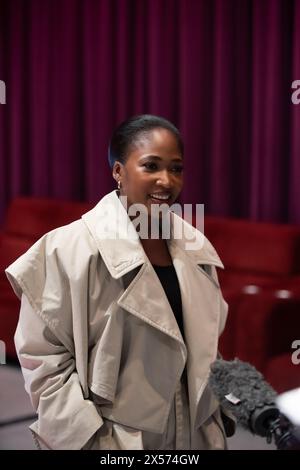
pixel 168 278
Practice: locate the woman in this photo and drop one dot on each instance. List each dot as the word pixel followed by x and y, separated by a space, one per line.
pixel 117 331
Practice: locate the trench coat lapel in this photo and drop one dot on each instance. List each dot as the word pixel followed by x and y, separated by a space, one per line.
pixel 200 310
pixel 115 236
pixel 146 299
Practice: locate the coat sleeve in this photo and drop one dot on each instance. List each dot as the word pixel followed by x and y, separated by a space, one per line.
pixel 65 419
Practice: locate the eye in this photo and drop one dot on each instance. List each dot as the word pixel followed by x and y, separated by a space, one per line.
pixel 177 169
pixel 150 166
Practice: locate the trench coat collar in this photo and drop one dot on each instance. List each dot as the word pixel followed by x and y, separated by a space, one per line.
pixel 119 243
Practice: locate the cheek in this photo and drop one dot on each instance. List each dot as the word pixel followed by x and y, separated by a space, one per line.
pixel 137 182
pixel 180 183
pixel 141 180
pixel 129 179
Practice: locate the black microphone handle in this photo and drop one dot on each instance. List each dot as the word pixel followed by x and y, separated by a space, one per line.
pixel 262 417
pixel 284 438
pixel 269 423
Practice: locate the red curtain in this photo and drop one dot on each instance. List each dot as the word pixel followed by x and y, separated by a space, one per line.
pixel 220 70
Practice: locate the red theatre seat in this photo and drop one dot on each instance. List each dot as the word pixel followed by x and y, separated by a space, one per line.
pixel 261 283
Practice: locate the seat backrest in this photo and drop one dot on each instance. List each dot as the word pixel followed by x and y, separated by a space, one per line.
pixel 253 246
pixel 33 217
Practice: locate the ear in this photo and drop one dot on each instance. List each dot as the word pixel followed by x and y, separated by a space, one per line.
pixel 117 171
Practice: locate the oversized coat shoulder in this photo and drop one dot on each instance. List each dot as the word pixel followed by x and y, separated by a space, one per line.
pixel 49 272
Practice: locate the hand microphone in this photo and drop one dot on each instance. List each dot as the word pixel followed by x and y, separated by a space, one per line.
pixel 243 390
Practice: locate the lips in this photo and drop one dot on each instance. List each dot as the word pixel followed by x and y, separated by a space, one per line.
pixel 160 197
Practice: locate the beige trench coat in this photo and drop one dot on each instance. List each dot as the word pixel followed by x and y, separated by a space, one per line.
pixel 97 339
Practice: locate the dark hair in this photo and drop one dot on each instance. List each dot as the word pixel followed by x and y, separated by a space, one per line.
pixel 129 132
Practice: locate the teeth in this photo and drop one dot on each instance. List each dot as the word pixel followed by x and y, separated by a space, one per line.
pixel 161 197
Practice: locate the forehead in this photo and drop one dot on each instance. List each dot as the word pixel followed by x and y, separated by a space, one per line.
pixel 158 142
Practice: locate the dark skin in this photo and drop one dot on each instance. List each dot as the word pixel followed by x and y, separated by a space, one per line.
pixel 152 174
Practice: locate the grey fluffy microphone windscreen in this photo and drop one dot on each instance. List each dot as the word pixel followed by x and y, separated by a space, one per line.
pixel 243 390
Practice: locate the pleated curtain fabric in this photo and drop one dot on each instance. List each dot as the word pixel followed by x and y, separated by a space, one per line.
pixel 221 70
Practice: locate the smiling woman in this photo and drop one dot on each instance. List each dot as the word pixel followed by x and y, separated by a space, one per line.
pixel 146 156
pixel 116 335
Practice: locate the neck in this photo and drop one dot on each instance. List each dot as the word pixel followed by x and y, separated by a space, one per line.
pixel 152 228
pixel 149 226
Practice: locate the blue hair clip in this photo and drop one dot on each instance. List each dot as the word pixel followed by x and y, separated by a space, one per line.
pixel 110 157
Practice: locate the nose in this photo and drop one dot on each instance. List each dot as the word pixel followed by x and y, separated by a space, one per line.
pixel 164 179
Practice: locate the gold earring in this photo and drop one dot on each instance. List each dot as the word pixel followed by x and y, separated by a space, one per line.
pixel 119 185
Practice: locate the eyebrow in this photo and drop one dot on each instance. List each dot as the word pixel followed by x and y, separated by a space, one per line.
pixel 156 157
